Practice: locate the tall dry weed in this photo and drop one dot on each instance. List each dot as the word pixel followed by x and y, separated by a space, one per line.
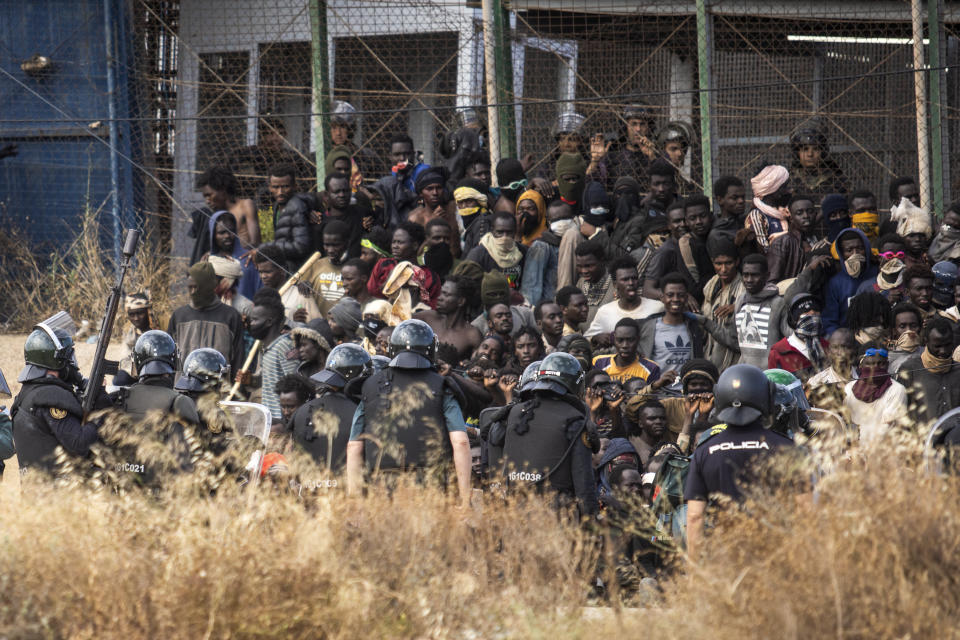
pixel 76 277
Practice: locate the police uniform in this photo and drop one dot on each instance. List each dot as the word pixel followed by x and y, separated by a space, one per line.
pixel 721 463
pixel 722 460
pixel 47 412
pixel 546 442
pixel 407 410
pixel 310 422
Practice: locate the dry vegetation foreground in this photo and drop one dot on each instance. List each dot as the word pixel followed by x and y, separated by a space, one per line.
pixel 877 557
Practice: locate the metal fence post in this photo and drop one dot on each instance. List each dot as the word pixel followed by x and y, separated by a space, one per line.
pixel 110 50
pixel 490 74
pixel 705 95
pixel 934 27
pixel 321 85
pixel 920 98
pixel 503 57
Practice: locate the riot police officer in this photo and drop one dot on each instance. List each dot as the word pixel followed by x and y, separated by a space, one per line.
pixel 744 401
pixel 546 442
pixel 155 356
pixel 47 412
pixel 410 417
pixel 322 426
pixel 205 371
pixel 493 420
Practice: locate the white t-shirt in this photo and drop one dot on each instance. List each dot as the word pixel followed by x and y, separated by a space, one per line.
pixel 610 314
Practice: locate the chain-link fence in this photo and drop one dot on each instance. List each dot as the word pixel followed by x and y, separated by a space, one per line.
pixel 824 88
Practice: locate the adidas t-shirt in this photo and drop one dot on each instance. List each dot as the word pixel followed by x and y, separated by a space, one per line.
pixel 672 346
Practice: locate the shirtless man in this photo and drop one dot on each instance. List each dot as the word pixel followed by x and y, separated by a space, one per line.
pixel 220 192
pixel 449 322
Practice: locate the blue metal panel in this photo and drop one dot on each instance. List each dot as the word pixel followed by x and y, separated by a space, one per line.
pixel 60 168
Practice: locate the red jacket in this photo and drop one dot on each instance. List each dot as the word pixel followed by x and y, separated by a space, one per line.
pixel 784 355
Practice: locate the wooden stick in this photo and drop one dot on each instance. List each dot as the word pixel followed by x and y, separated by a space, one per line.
pixel 294 279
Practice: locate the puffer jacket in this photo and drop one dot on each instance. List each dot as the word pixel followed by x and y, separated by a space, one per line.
pixel 292 234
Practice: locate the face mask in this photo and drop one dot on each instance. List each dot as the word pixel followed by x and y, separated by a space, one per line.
pixel 854 265
pixel 809 327
pixel 560 227
pixel 505 243
pixel 870 334
pixel 908 341
pixel 468 211
pixel 570 191
pixel 874 372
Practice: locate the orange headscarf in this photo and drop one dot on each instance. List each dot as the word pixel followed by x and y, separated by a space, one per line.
pixel 538 200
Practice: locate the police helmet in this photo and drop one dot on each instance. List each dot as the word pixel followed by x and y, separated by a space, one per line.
pixel 345 362
pixel 743 394
pixel 568 122
pixel 379 363
pixel 529 375
pixel 945 276
pixel 155 353
pixel 560 369
pixel 413 345
pixel 46 349
pixel 342 113
pixel 675 131
pixel 808 134
pixel 203 369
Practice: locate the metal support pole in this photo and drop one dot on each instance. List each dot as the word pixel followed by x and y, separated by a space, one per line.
pixel 503 58
pixel 705 96
pixel 936 112
pixel 111 58
pixel 321 86
pixel 920 97
pixel 490 67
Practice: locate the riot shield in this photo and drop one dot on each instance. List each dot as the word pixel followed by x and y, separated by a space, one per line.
pixel 934 458
pixel 4 387
pixel 250 420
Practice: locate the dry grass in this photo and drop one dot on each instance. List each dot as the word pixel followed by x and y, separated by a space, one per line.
pixel 76 278
pixel 875 557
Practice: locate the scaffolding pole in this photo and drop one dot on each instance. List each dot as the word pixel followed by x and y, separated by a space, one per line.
pixel 321 86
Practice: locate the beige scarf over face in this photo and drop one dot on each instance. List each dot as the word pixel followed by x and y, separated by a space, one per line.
pixel 503 250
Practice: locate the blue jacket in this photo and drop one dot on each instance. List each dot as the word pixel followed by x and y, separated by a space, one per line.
pixel 843 286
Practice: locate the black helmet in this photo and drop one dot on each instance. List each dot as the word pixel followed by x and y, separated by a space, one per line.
pixel 46 349
pixel 808 134
pixel 529 375
pixel 413 345
pixel 155 353
pixel 743 394
pixel 345 362
pixel 203 369
pixel 945 276
pixel 560 369
pixel 379 363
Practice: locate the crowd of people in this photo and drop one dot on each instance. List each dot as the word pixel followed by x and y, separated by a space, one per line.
pixel 589 327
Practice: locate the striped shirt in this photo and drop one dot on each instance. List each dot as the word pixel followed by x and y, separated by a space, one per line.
pixel 753 328
pixel 279 359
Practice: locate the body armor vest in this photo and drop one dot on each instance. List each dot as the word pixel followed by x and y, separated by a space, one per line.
pixel 322 428
pixel 537 443
pixel 404 423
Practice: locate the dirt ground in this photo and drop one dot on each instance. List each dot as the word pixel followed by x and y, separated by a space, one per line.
pixel 11 362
